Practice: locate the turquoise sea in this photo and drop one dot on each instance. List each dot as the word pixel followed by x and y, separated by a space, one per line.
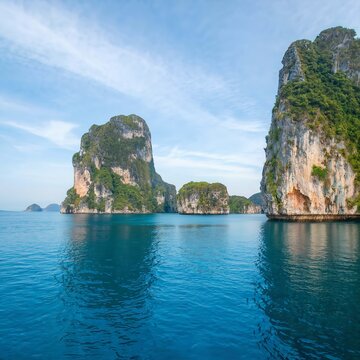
pixel 170 286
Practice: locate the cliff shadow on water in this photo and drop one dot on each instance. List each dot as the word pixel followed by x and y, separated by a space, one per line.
pixel 309 289
pixel 107 263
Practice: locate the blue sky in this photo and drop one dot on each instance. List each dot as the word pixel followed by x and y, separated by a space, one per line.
pixel 203 74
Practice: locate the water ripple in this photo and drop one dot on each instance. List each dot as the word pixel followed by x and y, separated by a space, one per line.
pixel 171 286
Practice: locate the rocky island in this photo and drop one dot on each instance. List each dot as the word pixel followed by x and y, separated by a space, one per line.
pixel 38 208
pixel 114 171
pixel 242 205
pixel 33 208
pixel 203 198
pixel 52 208
pixel 312 168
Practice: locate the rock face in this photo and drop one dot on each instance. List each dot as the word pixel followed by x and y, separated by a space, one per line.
pixel 34 208
pixel 114 171
pixel 203 198
pixel 242 205
pixel 312 166
pixel 258 199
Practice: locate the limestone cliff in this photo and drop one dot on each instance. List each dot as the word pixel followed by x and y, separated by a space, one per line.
pixel 114 171
pixel 242 205
pixel 312 163
pixel 203 198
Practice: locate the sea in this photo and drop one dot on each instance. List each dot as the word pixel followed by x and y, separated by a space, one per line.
pixel 170 286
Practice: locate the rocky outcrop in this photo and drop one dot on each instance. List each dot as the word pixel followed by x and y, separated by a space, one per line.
pixel 242 205
pixel 344 49
pixel 114 171
pixel 312 168
pixel 203 198
pixel 33 208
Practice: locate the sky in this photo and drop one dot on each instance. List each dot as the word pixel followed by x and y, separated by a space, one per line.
pixel 203 75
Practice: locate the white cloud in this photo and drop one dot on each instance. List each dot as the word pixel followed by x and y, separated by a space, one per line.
pixel 58 132
pixel 239 172
pixel 55 37
pixel 235 166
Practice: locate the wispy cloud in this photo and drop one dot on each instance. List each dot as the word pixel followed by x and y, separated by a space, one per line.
pixel 28 148
pixel 310 17
pixel 58 132
pixel 57 38
pixel 15 105
pixel 235 165
pixel 251 125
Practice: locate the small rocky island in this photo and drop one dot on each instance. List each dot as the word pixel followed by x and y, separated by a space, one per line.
pixel 33 208
pixel 243 205
pixel 203 198
pixel 114 171
pixel 38 208
pixel 312 168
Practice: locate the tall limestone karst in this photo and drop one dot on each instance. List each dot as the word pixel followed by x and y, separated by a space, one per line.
pixel 312 167
pixel 114 171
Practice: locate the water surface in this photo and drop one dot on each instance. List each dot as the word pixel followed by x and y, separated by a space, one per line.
pixel 179 287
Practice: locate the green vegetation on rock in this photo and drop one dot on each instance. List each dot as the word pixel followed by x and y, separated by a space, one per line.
pixel 202 188
pixel 72 199
pixel 272 180
pixel 315 129
pixel 121 145
pixel 208 196
pixel 329 100
pixel 319 172
pixel 238 204
pixel 355 202
pixel 113 151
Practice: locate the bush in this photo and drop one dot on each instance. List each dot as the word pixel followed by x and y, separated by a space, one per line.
pixel 319 172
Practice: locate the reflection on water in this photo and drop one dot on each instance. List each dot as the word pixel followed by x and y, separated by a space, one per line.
pixel 166 286
pixel 106 265
pixel 309 287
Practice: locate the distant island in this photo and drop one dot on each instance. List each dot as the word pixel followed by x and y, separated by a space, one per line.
pixel 258 199
pixel 312 168
pixel 38 208
pixel 203 198
pixel 243 205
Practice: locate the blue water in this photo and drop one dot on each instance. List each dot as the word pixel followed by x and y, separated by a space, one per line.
pixel 177 287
